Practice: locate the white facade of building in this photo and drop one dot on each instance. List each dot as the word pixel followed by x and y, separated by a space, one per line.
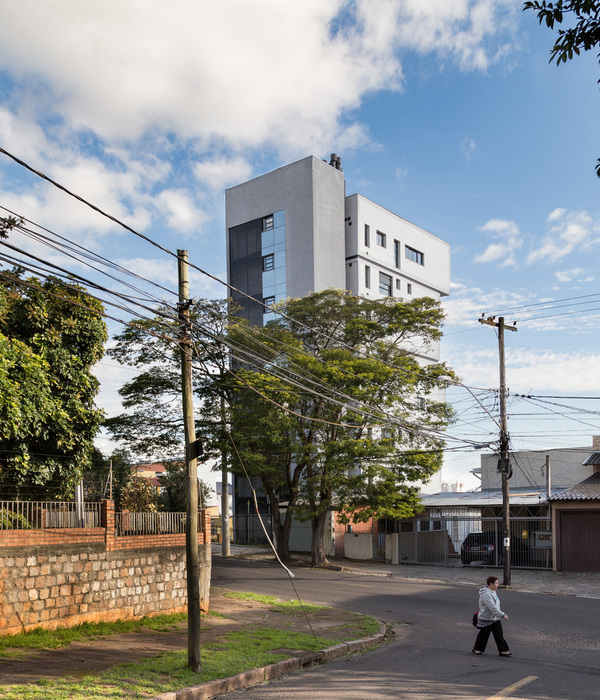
pixel 294 231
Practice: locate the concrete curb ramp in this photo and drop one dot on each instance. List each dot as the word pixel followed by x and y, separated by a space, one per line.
pixel 247 679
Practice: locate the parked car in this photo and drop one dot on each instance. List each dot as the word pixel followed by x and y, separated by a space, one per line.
pixel 487 548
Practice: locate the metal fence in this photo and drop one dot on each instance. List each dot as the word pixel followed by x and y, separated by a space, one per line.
pixel 41 515
pixel 248 530
pixel 127 524
pixel 475 541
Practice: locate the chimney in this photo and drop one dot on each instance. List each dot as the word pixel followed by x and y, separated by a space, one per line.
pixel 596 443
pixel 335 161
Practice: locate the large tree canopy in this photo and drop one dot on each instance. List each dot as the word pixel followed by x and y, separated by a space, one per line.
pixel 584 35
pixel 51 334
pixel 152 426
pixel 338 413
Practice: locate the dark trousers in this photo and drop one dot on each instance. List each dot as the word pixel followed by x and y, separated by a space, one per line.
pixel 484 634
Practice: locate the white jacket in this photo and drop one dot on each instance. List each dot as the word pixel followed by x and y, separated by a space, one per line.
pixel 489 606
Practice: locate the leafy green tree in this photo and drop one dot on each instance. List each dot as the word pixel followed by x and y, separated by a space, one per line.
pixel 341 417
pixel 261 442
pixel 97 481
pixel 152 426
pixel 173 482
pixel 139 495
pixel 51 335
pixel 583 36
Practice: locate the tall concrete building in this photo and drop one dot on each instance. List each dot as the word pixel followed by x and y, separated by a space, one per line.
pixel 294 231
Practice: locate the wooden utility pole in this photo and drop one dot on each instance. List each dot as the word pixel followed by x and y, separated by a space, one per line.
pixel 225 544
pixel 191 463
pixel 504 445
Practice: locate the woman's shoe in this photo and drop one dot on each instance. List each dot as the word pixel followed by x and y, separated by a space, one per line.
pixel 477 653
pixel 505 653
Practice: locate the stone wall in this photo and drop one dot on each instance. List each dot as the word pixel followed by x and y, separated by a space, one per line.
pixel 60 583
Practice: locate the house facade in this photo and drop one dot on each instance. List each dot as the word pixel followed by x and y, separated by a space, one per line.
pixel 576 520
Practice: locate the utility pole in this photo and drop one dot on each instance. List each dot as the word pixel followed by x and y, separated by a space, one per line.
pixel 225 544
pixel 191 452
pixel 504 445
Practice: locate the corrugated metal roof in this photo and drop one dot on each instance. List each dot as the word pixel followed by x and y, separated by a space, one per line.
pixel 488 497
pixel 587 490
pixel 594 458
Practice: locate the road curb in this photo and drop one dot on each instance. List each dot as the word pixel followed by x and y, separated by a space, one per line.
pixel 247 679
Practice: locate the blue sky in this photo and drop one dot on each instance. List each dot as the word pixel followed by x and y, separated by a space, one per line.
pixel 447 113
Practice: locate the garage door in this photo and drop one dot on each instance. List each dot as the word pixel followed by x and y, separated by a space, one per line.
pixel 579 539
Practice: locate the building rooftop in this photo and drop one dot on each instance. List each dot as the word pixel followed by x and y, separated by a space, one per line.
pixel 587 490
pixel 486 497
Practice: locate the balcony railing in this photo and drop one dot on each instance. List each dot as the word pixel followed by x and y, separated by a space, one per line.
pixel 44 515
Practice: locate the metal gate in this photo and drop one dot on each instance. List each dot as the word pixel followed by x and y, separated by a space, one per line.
pixel 457 541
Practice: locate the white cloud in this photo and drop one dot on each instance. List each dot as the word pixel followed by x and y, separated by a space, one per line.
pixel 467 303
pixel 568 372
pixel 578 274
pixel 568 233
pixel 222 172
pixel 179 210
pixel 509 240
pixel 556 214
pixel 574 231
pixel 468 147
pixel 247 73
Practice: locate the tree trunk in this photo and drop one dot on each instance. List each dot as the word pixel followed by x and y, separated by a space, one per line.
pixel 281 530
pixel 282 536
pixel 317 546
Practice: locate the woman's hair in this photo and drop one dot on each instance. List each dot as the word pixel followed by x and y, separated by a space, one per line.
pixel 491 579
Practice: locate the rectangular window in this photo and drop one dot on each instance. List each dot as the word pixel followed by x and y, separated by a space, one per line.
pixel 268 262
pixel 397 254
pixel 409 288
pixel 367 235
pixel 398 287
pixel 385 284
pixel 414 255
pixel 367 277
pixel 268 301
pixel 381 239
pixel 268 223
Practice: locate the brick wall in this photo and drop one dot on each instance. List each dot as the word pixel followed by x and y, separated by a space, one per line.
pixel 60 578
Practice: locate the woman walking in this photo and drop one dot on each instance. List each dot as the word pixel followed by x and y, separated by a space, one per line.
pixel 489 619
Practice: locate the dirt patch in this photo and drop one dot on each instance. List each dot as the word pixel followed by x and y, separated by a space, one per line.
pixel 226 615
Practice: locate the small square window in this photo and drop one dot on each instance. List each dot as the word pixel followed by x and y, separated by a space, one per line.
pixel 268 223
pixel 268 262
pixel 381 239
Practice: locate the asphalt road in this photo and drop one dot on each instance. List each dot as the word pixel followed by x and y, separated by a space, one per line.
pixel 555 640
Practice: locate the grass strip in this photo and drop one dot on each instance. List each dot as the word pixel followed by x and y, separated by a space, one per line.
pixel 55 639
pixel 238 651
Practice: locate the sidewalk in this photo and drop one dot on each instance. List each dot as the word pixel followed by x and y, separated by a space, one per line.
pixel 580 584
